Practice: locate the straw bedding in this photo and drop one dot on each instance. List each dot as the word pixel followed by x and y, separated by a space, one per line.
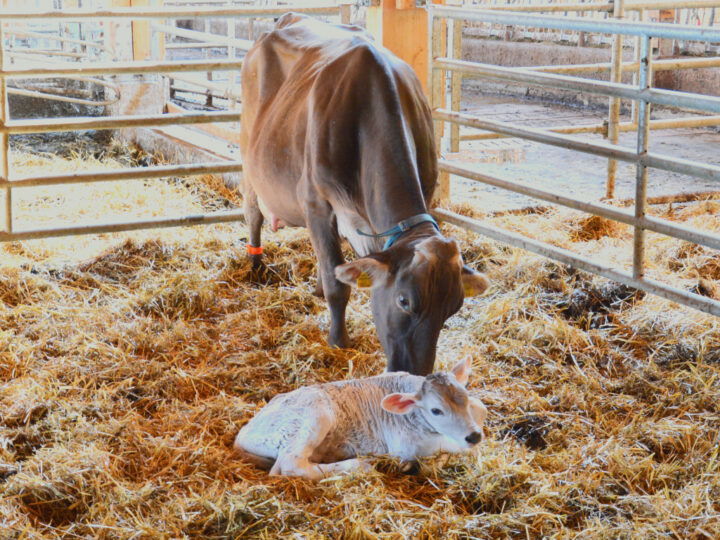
pixel 129 362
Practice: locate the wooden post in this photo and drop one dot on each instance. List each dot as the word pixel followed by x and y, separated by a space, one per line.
pixel 142 34
pixel 5 139
pixel 613 132
pixel 666 47
pixel 402 28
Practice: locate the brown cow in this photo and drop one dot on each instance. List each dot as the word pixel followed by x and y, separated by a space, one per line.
pixel 337 136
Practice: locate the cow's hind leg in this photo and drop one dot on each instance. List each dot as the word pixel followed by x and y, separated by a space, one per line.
pixel 254 220
pixel 326 243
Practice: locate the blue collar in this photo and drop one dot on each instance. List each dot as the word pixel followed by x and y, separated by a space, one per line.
pixel 401 228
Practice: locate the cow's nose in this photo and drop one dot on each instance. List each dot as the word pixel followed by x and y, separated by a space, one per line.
pixel 474 437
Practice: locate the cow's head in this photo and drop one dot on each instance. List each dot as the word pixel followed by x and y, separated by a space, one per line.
pixel 416 286
pixel 445 405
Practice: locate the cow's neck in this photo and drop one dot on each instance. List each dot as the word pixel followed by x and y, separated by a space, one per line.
pixel 418 233
pixel 390 210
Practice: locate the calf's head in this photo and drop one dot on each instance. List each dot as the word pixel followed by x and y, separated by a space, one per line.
pixel 445 405
pixel 416 286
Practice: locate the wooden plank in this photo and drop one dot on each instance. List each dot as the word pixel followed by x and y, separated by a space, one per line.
pixel 402 28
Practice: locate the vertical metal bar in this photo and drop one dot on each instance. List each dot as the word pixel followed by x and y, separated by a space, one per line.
pixel 436 88
pixel 614 106
pixel 636 58
pixel 643 135
pixel 5 138
pixel 456 84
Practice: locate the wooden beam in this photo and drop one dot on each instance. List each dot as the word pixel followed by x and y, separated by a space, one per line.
pixel 403 28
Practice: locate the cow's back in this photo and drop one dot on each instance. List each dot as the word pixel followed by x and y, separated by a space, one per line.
pixel 309 91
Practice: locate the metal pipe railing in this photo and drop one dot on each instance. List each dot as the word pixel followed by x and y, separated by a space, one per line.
pixel 642 93
pixel 670 123
pixel 628 28
pixel 124 68
pixel 129 173
pixel 623 216
pixel 563 82
pixel 91 122
pixel 612 151
pixel 121 226
pixel 674 294
pixel 162 13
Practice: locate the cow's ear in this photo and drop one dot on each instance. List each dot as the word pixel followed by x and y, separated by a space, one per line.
pixel 365 272
pixel 462 370
pixel 474 283
pixel 399 403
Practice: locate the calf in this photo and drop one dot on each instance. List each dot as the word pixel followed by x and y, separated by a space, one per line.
pixel 321 430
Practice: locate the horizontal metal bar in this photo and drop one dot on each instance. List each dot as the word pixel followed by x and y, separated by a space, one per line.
pixel 563 255
pixel 122 68
pixel 538 135
pixel 666 64
pixel 164 13
pixel 529 8
pixel 241 44
pixel 624 216
pixel 658 161
pixel 682 4
pixel 189 45
pixel 91 122
pixel 158 223
pixel 612 26
pixel 650 95
pixel 671 123
pixel 129 173
pixel 224 90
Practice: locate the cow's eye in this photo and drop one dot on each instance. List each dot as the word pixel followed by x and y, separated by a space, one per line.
pixel 436 412
pixel 403 303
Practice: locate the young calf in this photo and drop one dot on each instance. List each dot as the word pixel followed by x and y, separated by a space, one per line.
pixel 320 430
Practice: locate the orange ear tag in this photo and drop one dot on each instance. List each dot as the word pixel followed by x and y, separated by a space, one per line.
pixel 364 280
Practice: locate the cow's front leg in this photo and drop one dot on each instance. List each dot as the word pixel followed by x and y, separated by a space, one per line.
pixel 326 242
pixel 254 220
pixel 318 286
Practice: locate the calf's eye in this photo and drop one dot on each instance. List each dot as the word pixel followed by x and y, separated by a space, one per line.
pixel 436 412
pixel 403 303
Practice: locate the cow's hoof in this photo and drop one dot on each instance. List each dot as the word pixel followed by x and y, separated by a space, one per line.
pixel 341 341
pixel 318 291
pixel 260 274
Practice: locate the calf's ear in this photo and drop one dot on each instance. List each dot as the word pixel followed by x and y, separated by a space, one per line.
pixel 474 283
pixel 462 370
pixel 363 273
pixel 399 403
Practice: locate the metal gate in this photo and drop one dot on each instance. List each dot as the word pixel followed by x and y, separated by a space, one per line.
pixel 9 127
pixel 444 71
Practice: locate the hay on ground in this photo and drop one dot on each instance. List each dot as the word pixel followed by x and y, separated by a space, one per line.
pixel 128 362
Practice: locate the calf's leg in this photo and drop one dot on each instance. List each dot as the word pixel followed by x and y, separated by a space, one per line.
pixel 294 458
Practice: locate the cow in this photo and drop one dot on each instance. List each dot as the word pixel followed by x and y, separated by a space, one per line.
pixel 321 430
pixel 337 136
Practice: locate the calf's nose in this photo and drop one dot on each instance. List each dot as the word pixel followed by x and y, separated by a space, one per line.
pixel 474 437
